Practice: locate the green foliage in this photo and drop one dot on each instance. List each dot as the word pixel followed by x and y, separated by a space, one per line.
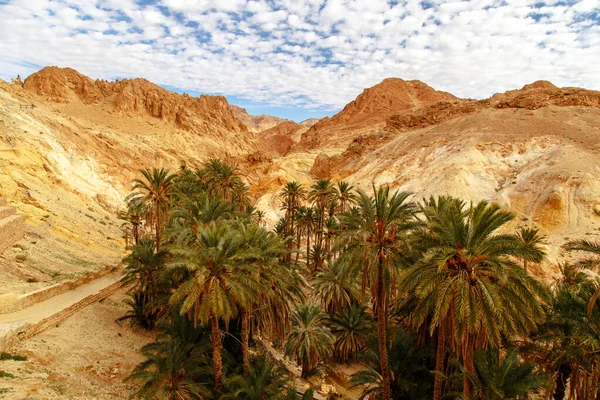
pixel 351 328
pixel 309 340
pixel 15 357
pixel 506 376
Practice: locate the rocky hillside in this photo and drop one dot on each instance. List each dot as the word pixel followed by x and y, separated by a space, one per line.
pixel 255 123
pixel 372 108
pixel 70 160
pixel 196 114
pixel 533 150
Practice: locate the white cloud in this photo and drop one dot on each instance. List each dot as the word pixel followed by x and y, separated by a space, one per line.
pixel 311 53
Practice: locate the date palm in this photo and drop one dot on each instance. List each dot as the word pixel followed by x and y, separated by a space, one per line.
pixel 223 180
pixel 321 195
pixel 292 196
pixel 218 286
pixel 504 376
pixel 470 291
pixel 306 222
pixel 351 327
pixel 344 195
pixel 155 190
pixel 279 285
pixel 374 238
pixel 532 240
pixel 309 340
pixel 593 249
pixel 175 365
pixel 335 288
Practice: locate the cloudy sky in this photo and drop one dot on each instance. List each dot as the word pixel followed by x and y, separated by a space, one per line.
pixel 307 58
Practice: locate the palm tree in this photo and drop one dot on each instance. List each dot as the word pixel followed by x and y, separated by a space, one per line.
pixel 192 214
pixel 291 195
pixel 309 340
pixel 374 238
pixel 142 276
pixel 175 365
pixel 344 193
pixel 279 285
pixel 155 191
pixel 264 381
pixel 594 250
pixel 134 216
pixel 351 327
pixel 335 288
pixel 306 222
pixel 469 290
pixel 222 180
pixel 321 195
pixel 532 241
pixel 501 377
pixel 218 285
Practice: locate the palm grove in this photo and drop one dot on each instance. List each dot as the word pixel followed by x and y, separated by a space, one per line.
pixel 432 299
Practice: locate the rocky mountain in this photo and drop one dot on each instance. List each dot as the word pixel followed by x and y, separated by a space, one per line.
pixel 69 161
pixel 372 108
pixel 255 123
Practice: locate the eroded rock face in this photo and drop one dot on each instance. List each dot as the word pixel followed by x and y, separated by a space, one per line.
pixel 200 114
pixel 255 123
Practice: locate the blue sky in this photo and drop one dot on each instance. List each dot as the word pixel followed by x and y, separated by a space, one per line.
pixel 307 58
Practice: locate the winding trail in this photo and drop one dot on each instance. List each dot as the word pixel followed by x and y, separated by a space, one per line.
pixel 45 309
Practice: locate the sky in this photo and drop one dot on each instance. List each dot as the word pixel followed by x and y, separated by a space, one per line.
pixel 301 59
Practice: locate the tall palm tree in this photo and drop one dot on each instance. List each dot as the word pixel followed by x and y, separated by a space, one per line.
pixel 532 240
pixel 593 249
pixel 469 290
pixel 155 191
pixel 292 196
pixel 175 365
pixel 134 215
pixel 309 340
pixel 335 288
pixel 223 180
pixel 192 214
pixel 218 285
pixel 142 275
pixel 278 284
pixel 306 222
pixel 374 239
pixel 321 195
pixel 344 194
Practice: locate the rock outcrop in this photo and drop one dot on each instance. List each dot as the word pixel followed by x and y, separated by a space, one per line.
pixel 255 123
pixel 201 114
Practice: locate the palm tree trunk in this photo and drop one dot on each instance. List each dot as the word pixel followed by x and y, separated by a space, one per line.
pixel 215 341
pixel 297 244
pixel 308 250
pixel 382 336
pixel 439 364
pixel 564 371
pixel 157 228
pixel 245 341
pixel 469 365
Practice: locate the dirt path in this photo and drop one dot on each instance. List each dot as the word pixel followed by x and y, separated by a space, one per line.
pixel 47 308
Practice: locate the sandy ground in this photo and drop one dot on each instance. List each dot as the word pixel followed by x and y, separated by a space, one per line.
pixel 86 357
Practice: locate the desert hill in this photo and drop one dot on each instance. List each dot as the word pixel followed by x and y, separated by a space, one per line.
pixel 372 107
pixel 68 163
pixel 70 160
pixel 533 150
pixel 255 123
